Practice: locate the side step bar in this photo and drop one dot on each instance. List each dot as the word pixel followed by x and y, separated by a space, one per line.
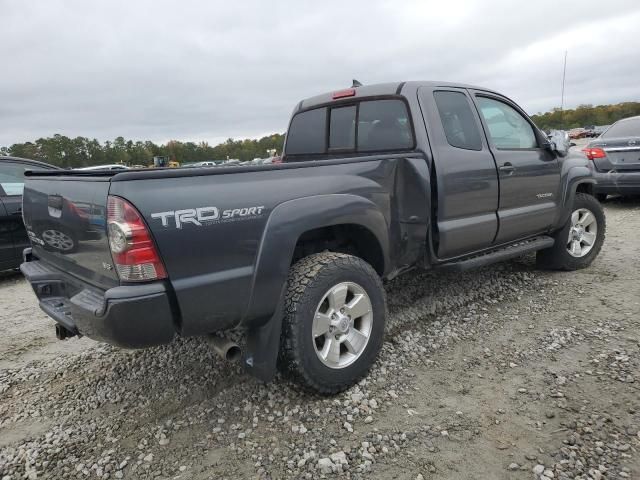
pixel 506 253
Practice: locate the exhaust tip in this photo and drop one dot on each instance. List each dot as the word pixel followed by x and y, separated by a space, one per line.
pixel 234 354
pixel 228 350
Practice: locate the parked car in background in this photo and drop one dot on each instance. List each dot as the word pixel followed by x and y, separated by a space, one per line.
pixel 113 166
pixel 576 133
pixel 13 236
pixel 616 159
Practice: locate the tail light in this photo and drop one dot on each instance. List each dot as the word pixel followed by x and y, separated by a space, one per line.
pixel 132 248
pixel 349 92
pixel 593 153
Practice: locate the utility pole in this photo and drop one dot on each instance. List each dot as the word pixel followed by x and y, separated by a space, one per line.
pixel 564 74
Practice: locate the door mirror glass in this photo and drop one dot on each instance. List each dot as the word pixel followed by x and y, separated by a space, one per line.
pixel 559 142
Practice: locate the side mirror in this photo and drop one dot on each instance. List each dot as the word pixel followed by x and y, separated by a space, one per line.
pixel 559 142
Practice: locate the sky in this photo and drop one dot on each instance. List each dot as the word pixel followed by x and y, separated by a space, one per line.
pixel 209 70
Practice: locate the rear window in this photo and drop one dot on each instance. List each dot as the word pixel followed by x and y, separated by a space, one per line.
pixel 369 125
pixel 624 128
pixel 342 128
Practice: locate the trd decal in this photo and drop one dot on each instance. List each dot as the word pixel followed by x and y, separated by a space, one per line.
pixel 205 215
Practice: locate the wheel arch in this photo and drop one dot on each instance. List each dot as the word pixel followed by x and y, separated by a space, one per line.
pixel 300 227
pixel 577 177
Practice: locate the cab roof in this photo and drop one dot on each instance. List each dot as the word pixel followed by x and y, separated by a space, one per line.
pixel 378 89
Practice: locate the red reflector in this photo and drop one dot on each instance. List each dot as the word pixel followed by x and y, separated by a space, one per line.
pixel 132 247
pixel 592 153
pixel 349 92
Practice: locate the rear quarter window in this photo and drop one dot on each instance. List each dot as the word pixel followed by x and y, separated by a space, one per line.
pixel 307 132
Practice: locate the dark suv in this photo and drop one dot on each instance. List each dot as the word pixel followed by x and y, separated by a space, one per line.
pixel 13 236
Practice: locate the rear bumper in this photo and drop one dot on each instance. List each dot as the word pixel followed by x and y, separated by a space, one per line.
pixel 627 183
pixel 128 316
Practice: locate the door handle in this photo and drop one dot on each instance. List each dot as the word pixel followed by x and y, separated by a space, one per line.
pixel 508 168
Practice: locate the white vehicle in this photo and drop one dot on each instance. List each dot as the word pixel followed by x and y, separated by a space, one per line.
pixel 113 166
pixel 205 164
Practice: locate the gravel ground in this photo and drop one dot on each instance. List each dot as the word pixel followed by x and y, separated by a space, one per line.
pixel 506 372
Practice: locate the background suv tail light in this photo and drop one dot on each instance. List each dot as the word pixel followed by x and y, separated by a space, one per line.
pixel 593 153
pixel 132 249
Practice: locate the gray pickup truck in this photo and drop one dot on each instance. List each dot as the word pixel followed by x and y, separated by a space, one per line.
pixel 375 181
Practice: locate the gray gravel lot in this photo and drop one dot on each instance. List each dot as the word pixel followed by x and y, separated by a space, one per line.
pixel 506 372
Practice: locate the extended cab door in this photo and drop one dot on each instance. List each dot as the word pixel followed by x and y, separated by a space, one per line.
pixel 466 177
pixel 529 174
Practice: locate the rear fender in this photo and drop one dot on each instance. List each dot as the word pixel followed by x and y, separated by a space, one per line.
pixel 287 222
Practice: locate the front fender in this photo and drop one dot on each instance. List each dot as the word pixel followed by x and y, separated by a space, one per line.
pixel 286 223
pixel 575 171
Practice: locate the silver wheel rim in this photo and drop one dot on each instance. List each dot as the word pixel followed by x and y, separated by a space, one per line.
pixel 583 233
pixel 342 325
pixel 57 239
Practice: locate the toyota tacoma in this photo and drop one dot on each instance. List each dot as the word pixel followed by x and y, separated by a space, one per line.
pixel 375 181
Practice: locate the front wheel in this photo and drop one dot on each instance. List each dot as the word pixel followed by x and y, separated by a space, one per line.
pixel 578 243
pixel 335 312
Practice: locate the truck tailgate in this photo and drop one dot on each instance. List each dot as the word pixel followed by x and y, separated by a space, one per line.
pixel 65 218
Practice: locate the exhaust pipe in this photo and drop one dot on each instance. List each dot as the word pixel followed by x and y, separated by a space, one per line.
pixel 228 350
pixel 63 333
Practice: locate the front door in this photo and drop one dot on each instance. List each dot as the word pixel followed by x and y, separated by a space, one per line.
pixel 529 174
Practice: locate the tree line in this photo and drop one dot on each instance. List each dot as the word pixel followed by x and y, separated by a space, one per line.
pixel 84 152
pixel 585 115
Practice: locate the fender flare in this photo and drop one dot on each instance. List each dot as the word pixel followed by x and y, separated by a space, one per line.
pixel 573 177
pixel 286 223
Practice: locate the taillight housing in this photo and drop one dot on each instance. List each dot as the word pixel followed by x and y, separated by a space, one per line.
pixel 135 255
pixel 593 153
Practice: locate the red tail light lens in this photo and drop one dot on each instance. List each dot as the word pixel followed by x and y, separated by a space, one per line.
pixel 132 248
pixel 593 153
pixel 349 92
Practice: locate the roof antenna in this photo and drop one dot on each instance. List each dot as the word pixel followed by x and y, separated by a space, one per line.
pixel 356 84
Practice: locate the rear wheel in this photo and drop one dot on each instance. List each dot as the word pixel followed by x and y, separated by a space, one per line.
pixel 334 321
pixel 578 243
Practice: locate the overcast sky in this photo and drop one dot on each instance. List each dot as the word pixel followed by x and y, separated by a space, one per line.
pixel 209 70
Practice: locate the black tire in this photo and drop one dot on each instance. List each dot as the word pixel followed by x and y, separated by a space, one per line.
pixel 309 281
pixel 601 197
pixel 558 257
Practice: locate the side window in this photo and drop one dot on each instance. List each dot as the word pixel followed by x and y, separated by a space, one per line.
pixel 12 177
pixel 307 132
pixel 384 125
pixel 507 127
pixel 460 126
pixel 342 128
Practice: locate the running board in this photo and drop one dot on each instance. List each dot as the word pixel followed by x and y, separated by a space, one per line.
pixel 506 253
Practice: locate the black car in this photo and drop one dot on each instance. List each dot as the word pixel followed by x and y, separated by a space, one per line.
pixel 616 157
pixel 13 236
